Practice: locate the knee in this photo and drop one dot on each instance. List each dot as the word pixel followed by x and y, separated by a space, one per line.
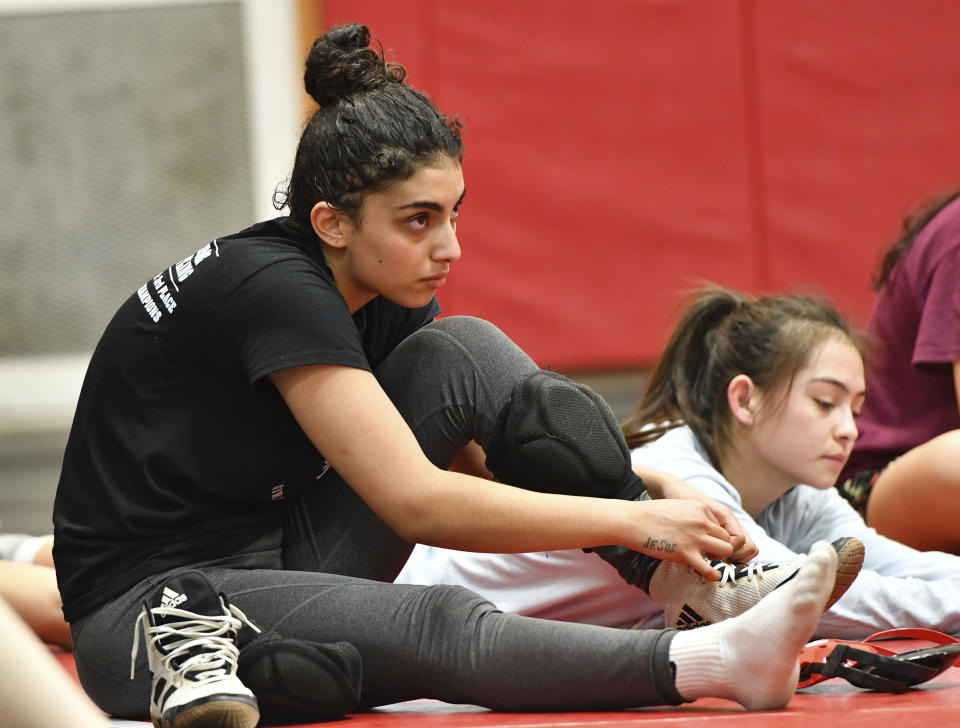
pixel 944 454
pixel 932 465
pixel 453 608
pixel 559 436
pixel 449 341
pixel 949 443
pixel 466 327
pixel 470 334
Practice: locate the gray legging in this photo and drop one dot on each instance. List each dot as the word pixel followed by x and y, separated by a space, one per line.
pixel 325 577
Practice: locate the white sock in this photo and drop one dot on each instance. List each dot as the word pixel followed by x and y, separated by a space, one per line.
pixel 752 658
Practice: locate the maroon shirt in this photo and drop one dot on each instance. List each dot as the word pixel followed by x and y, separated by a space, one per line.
pixel 915 327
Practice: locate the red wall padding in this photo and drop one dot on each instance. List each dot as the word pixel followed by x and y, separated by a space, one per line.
pixel 620 151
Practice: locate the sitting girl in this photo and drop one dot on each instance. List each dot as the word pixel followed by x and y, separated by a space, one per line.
pixel 754 402
pixel 266 426
pixel 909 448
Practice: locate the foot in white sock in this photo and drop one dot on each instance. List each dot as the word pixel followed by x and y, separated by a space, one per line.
pixel 752 658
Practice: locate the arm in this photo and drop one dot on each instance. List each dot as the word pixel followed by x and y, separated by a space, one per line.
pixel 348 417
pixel 471 460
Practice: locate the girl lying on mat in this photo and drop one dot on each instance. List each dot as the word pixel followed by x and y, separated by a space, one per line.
pixel 754 403
pixel 266 426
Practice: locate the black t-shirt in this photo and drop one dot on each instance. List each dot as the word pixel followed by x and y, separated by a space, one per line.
pixel 181 448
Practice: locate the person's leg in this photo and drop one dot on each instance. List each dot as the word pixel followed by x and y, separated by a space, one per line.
pixel 35 689
pixel 104 639
pixel 31 589
pixel 752 658
pixel 447 643
pixel 916 498
pixel 439 642
pixel 29 584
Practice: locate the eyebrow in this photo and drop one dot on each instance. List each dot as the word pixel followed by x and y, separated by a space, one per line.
pixel 430 205
pixel 837 383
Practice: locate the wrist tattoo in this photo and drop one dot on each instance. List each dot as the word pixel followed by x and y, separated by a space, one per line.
pixel 662 545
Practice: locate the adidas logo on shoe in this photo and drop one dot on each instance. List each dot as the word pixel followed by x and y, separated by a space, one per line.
pixel 169 598
pixel 689 619
pixel 193 657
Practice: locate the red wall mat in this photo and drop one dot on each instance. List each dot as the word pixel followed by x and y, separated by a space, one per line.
pixel 860 112
pixel 619 151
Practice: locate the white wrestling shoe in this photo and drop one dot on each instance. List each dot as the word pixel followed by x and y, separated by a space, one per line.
pixel 691 601
pixel 191 632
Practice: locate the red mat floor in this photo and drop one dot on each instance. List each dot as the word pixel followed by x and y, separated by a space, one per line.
pixel 935 704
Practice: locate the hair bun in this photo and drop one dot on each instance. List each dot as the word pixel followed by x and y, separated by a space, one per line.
pixel 341 62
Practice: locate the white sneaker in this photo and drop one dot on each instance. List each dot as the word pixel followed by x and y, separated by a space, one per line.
pixel 190 632
pixel 690 601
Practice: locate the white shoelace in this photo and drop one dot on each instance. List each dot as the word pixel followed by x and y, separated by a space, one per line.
pixel 728 572
pixel 218 655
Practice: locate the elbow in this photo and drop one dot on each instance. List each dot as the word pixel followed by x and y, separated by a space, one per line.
pixel 415 520
pixel 420 508
pixel 416 526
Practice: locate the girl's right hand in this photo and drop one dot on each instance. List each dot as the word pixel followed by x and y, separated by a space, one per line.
pixel 682 530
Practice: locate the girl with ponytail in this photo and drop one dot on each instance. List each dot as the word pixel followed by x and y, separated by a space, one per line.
pixel 266 427
pixel 755 403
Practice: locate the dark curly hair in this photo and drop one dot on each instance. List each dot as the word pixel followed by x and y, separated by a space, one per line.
pixel 371 129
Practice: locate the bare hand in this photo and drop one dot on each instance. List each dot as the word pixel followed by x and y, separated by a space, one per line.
pixel 683 530
pixel 663 485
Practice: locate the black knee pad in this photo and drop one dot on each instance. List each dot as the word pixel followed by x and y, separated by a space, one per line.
pixel 297 681
pixel 558 436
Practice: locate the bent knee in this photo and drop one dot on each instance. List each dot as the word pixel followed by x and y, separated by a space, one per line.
pixel 450 607
pixel 465 324
pixel 454 337
pixel 949 442
pixel 933 465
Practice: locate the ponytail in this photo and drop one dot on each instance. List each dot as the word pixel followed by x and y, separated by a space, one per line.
pixel 682 389
pixel 721 334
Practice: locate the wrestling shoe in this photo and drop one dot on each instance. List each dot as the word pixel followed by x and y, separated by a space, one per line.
pixel 850 555
pixel 190 633
pixel 690 601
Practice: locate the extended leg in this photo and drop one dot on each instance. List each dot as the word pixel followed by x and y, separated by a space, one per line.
pixel 437 642
pixel 450 644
